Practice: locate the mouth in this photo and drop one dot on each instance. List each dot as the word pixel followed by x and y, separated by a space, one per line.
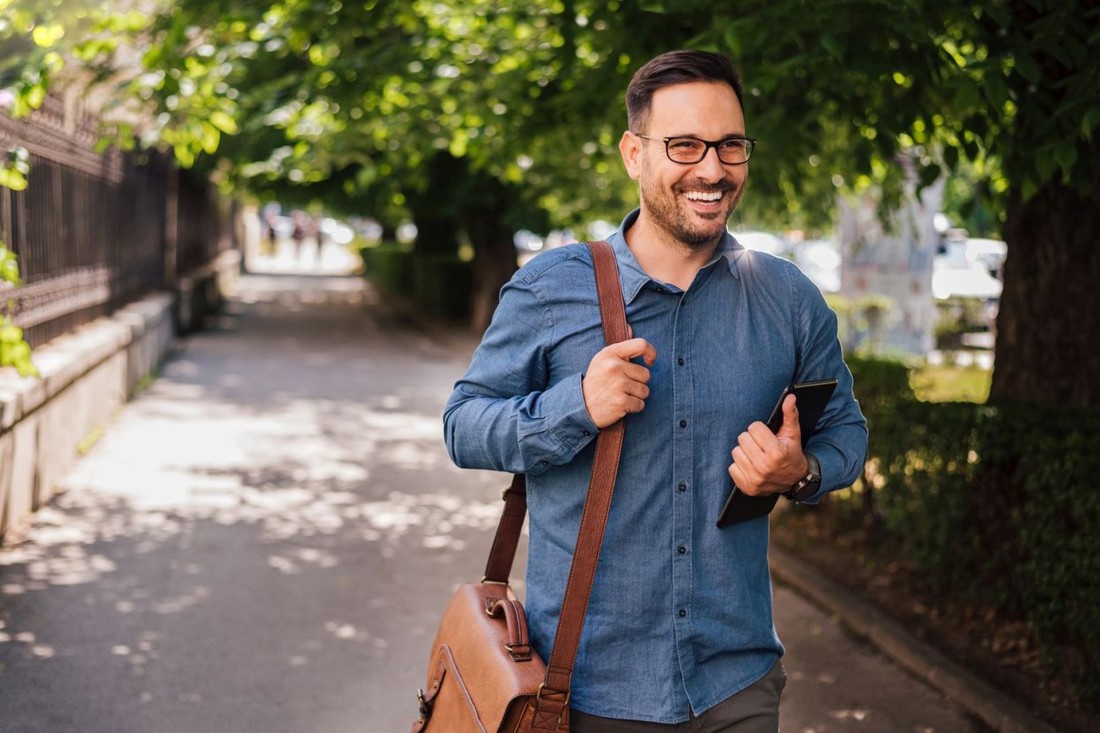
pixel 705 201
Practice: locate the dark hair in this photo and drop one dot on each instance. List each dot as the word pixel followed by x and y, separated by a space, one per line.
pixel 675 67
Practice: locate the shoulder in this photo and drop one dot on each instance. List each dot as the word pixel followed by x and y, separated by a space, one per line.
pixel 778 274
pixel 556 265
pixel 555 262
pixel 766 265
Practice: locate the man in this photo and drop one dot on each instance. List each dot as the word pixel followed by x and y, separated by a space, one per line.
pixel 679 632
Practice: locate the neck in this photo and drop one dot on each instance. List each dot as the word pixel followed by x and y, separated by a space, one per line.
pixel 664 258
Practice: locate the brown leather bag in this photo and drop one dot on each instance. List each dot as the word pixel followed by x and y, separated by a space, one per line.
pixel 483 675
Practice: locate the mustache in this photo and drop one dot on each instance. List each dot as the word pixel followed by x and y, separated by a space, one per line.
pixel 719 187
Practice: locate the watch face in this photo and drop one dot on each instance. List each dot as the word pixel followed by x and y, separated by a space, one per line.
pixel 806 491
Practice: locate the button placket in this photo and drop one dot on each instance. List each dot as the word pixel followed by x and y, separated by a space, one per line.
pixel 683 470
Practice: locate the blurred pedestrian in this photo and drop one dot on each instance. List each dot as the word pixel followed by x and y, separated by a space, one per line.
pixel 302 231
pixel 267 233
pixel 679 628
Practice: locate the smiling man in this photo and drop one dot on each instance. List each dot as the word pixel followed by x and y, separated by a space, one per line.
pixel 679 632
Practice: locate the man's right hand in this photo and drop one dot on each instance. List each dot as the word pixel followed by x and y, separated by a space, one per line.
pixel 614 386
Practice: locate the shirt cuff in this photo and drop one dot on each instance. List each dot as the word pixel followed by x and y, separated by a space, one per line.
pixel 572 427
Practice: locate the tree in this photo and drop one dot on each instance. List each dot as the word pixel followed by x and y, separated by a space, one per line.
pixel 1010 82
pixel 372 102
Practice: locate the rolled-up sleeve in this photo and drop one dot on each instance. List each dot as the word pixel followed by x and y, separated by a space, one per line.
pixel 503 414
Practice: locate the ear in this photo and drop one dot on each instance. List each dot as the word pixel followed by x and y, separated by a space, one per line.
pixel 630 147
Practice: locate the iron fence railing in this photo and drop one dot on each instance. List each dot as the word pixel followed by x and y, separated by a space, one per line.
pixel 96 231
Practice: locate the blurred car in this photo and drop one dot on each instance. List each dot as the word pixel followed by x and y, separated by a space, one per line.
pixel 956 274
pixel 990 253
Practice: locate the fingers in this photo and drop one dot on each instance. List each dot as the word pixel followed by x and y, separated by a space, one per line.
pixel 790 429
pixel 614 385
pixel 631 349
pixel 766 463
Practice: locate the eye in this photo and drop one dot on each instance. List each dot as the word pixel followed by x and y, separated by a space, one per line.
pixel 684 143
pixel 734 143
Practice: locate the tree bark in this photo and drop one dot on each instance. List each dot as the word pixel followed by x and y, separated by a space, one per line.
pixel 494 264
pixel 1049 319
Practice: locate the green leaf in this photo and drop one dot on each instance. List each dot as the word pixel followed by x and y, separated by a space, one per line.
pixel 223 122
pixel 13 179
pixel 1066 157
pixel 996 91
pixel 210 139
pixel 1027 68
pixel 47 35
pixel 835 49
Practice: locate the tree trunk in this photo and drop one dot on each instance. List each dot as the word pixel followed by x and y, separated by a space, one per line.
pixel 1049 320
pixel 494 264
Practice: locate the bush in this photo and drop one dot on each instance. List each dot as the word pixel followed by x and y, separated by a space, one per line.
pixel 437 285
pixel 998 503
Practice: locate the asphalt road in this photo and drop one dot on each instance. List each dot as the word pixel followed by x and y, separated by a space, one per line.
pixel 264 539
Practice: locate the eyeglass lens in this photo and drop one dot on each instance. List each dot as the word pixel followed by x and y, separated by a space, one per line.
pixel 693 150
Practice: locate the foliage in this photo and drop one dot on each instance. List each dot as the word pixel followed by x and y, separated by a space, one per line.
pixel 992 503
pixel 353 102
pixel 14 351
pixel 996 503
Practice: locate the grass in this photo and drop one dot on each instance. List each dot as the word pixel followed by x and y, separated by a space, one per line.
pixel 945 383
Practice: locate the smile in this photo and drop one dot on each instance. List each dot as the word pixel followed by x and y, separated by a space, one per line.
pixel 704 197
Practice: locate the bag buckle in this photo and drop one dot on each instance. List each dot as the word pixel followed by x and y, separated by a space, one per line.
pixel 549 692
pixel 425 705
pixel 541 718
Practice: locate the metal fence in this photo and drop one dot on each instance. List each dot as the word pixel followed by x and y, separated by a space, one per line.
pixel 96 231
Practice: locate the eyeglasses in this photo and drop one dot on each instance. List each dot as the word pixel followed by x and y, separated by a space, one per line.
pixel 692 150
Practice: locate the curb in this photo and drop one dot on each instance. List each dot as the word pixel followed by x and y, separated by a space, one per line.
pixel 994 708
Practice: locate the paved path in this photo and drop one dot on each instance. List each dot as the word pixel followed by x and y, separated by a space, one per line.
pixel 262 543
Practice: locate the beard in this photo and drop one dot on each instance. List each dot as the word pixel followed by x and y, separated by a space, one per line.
pixel 665 209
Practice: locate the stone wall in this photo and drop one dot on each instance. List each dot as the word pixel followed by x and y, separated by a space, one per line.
pixel 85 377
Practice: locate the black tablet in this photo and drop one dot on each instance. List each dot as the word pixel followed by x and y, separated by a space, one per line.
pixel 811 400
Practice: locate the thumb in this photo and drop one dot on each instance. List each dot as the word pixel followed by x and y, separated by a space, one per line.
pixel 790 429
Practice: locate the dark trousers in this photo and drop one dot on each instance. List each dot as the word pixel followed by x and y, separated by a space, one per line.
pixel 752 710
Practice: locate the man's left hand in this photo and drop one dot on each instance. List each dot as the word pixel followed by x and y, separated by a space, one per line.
pixel 766 462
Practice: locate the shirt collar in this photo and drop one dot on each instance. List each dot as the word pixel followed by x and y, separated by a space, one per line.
pixel 632 275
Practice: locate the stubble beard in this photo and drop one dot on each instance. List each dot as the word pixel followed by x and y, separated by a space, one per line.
pixel 667 213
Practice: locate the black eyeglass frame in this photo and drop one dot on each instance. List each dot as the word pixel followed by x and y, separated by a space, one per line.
pixel 707 145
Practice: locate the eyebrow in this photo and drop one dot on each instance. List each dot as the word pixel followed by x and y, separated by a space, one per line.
pixel 699 137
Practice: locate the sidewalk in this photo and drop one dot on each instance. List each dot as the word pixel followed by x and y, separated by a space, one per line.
pixel 263 541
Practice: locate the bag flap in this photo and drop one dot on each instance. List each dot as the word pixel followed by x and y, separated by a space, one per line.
pixel 471 644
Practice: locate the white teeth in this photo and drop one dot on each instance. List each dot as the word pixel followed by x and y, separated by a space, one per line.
pixel 700 196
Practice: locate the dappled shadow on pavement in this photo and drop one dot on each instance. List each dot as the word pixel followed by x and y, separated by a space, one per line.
pixel 239 551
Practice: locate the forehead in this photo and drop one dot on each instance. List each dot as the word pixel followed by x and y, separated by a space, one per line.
pixel 705 109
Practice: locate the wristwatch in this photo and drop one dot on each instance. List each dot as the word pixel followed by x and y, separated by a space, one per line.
pixel 808 485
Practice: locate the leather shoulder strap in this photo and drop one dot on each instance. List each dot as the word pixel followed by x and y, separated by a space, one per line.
pixel 553 697
pixel 615 329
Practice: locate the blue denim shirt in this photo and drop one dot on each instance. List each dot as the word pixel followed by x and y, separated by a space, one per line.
pixel 680 616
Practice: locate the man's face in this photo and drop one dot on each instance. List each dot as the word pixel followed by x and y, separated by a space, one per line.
pixel 689 204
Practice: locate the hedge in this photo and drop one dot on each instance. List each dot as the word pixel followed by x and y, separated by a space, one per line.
pixel 436 285
pixel 995 502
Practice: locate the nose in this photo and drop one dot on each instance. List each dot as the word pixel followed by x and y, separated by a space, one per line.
pixel 710 167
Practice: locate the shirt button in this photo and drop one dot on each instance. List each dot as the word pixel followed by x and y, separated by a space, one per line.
pixel 683 423
pixel 681 549
pixel 682 487
pixel 683 613
pixel 586 433
pixel 680 361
